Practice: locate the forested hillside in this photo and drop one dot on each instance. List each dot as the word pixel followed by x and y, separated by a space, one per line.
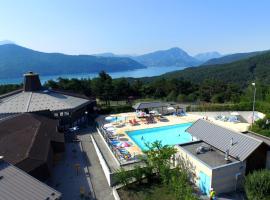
pixel 240 72
pixel 232 58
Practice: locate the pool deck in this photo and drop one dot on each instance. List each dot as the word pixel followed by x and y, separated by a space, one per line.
pixel 171 120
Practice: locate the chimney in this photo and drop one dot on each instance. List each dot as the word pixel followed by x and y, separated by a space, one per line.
pixel 31 82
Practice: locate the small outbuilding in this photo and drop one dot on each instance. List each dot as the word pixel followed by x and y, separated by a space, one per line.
pixel 220 158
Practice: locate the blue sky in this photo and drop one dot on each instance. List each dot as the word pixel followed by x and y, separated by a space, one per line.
pixel 136 26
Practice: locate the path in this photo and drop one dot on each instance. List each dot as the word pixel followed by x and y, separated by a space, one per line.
pixel 100 185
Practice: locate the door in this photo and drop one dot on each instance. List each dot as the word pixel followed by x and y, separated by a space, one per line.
pixel 204 183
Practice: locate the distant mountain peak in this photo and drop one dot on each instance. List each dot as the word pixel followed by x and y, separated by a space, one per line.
pixel 169 57
pixel 6 42
pixel 203 57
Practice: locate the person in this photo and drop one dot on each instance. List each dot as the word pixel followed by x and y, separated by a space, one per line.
pixel 212 194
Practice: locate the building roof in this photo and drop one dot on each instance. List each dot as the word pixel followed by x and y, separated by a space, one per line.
pixel 144 105
pixel 265 139
pixel 15 184
pixel 221 138
pixel 212 157
pixel 25 139
pixel 40 100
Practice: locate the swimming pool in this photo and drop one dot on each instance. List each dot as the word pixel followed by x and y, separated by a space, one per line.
pixel 116 119
pixel 168 135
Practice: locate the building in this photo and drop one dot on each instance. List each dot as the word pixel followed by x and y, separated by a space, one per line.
pixel 30 141
pixel 71 109
pixel 15 184
pixel 220 157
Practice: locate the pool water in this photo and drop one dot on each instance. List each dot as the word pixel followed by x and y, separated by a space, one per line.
pixel 117 119
pixel 168 135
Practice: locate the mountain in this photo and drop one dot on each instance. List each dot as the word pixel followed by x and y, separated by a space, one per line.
pixel 107 54
pixel 203 57
pixel 232 57
pixel 171 57
pixel 6 42
pixel 16 60
pixel 240 72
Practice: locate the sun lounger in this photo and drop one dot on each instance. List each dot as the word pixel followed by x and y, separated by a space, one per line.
pixel 135 122
pixel 131 122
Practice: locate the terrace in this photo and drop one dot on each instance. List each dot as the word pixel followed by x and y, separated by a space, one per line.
pixel 118 130
pixel 115 131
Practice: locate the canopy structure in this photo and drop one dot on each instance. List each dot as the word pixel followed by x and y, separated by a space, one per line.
pixel 148 105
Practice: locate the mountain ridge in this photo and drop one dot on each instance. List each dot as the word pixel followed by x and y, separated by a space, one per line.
pixel 170 57
pixel 232 57
pixel 203 57
pixel 16 60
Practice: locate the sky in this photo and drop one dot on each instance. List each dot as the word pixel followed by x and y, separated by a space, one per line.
pixel 136 26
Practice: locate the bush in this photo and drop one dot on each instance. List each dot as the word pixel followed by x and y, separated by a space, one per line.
pixel 262 126
pixel 179 184
pixel 138 173
pixel 257 185
pixel 116 109
pixel 123 176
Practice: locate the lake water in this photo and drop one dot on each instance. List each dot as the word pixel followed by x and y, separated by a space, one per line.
pixel 150 71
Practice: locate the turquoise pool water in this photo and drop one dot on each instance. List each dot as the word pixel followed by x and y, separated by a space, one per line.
pixel 117 119
pixel 168 135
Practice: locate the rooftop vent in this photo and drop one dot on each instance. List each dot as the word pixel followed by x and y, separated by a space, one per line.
pixel 227 156
pixel 31 82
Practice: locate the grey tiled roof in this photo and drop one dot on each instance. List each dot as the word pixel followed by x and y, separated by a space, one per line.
pixel 144 105
pixel 15 184
pixel 38 101
pixel 220 138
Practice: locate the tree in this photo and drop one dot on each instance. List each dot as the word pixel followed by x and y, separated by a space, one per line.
pixel 102 87
pixel 123 176
pixel 159 156
pixel 257 185
pixel 121 89
pixel 138 173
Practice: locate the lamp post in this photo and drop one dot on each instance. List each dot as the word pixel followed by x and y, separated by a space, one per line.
pixel 254 99
pixel 86 117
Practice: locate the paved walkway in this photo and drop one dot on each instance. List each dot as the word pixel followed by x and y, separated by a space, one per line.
pixel 65 177
pixel 100 185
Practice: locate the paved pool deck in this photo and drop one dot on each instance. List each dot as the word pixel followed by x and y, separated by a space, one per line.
pixel 169 120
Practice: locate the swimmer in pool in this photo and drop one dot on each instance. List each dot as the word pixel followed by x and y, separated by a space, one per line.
pixel 142 138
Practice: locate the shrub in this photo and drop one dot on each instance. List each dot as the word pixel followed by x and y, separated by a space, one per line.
pixel 123 176
pixel 138 173
pixel 257 185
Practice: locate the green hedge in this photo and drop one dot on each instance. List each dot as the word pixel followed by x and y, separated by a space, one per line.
pixel 257 185
pixel 116 109
pixel 242 106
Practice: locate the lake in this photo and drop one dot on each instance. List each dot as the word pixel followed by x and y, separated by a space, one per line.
pixel 137 73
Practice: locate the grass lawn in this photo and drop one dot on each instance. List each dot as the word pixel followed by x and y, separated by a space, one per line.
pixel 146 191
